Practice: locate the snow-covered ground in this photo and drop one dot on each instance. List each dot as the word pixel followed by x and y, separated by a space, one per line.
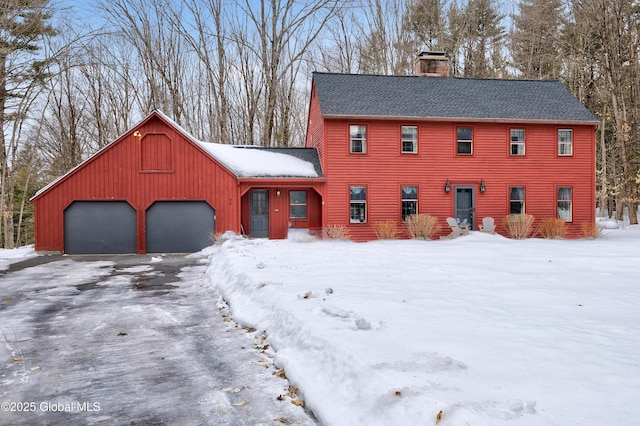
pixel 479 330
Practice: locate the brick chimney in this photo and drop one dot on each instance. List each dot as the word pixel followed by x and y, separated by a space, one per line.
pixel 432 64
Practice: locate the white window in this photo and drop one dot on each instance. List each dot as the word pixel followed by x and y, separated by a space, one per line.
pixel 565 142
pixel 409 201
pixel 298 204
pixel 410 139
pixel 564 203
pixel 517 142
pixel 358 204
pixel 516 200
pixel 465 140
pixel 358 139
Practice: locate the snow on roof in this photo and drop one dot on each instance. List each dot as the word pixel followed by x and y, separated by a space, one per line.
pixel 245 161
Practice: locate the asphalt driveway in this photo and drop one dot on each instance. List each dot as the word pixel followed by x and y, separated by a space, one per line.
pixel 130 340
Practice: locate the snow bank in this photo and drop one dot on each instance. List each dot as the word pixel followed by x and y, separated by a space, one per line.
pixel 9 256
pixel 478 330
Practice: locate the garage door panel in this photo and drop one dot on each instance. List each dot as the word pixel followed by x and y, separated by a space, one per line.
pixel 99 227
pixel 179 226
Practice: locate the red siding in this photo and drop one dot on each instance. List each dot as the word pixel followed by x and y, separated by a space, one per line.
pixel 160 165
pixel 279 220
pixel 384 169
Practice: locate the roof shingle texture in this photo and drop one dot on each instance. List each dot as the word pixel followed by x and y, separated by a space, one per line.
pixel 353 95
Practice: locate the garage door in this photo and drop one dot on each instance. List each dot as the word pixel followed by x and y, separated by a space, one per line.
pixel 179 226
pixel 99 227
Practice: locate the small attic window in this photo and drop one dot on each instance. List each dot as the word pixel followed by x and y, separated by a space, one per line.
pixel 156 153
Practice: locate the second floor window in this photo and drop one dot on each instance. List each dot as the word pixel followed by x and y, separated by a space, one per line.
pixel 516 200
pixel 565 142
pixel 410 139
pixel 358 139
pixel 516 142
pixel 465 140
pixel 409 201
pixel 358 204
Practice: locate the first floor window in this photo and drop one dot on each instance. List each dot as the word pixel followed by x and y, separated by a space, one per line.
pixel 465 140
pixel 564 203
pixel 358 139
pixel 298 204
pixel 565 142
pixel 517 142
pixel 410 139
pixel 516 200
pixel 409 201
pixel 358 204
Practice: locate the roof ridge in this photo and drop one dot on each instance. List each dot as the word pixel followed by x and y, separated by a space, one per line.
pixel 434 77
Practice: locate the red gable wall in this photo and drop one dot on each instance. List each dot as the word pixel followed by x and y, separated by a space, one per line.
pixel 124 171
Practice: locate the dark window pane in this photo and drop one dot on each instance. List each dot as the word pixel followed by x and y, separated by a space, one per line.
pixel 358 193
pixel 464 147
pixel 298 211
pixel 298 197
pixel 465 133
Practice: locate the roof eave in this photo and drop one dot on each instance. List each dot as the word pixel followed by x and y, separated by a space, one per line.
pixel 459 119
pixel 281 179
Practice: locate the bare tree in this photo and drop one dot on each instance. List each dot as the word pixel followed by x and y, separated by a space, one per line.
pixel 427 23
pixel 536 39
pixel 483 35
pixel 605 35
pixel 388 46
pixel 282 27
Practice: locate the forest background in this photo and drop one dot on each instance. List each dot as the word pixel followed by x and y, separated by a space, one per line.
pixel 75 76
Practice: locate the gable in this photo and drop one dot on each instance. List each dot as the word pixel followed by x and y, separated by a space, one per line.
pixel 147 149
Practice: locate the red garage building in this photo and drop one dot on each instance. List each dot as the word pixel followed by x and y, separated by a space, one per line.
pixel 157 189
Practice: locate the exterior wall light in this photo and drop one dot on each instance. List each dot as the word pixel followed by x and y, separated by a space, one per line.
pixel 278 193
pixel 482 186
pixel 447 186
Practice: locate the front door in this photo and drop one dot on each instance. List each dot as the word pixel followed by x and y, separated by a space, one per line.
pixel 260 213
pixel 465 206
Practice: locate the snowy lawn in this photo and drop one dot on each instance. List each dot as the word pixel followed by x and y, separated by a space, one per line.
pixel 479 330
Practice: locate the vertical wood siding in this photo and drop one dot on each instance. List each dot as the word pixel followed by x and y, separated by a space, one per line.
pixel 121 172
pixel 384 169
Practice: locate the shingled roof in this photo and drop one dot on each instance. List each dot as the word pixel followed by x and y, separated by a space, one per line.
pixel 378 96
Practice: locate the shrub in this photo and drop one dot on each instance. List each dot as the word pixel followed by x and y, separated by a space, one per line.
pixel 336 232
pixel 591 230
pixel 386 230
pixel 422 226
pixel 518 226
pixel 552 227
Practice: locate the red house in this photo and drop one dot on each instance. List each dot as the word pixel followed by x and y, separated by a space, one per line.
pixel 466 148
pixel 157 189
pixel 377 148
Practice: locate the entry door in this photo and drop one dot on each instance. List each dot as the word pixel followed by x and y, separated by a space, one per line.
pixel 465 205
pixel 259 213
